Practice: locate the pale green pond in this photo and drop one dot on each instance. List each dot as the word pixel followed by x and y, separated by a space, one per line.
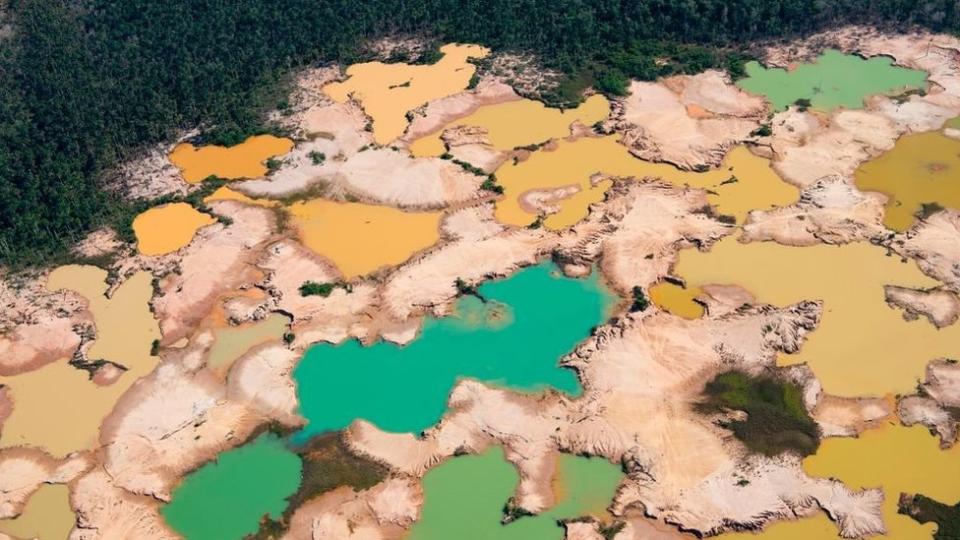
pixel 514 340
pixel 832 80
pixel 465 498
pixel 225 499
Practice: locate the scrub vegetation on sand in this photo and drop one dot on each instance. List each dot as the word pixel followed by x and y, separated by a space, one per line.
pixel 924 510
pixel 776 419
pixel 327 464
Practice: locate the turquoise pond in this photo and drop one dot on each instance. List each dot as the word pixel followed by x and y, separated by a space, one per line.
pixel 225 499
pixel 514 340
pixel 832 80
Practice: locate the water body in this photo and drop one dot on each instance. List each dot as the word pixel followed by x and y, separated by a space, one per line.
pixel 46 516
pixel 832 80
pixel 245 160
pixel 167 228
pixel 125 331
pixel 743 182
pixel 225 499
pixel 862 346
pixel 922 168
pixel 893 457
pixel 515 340
pixel 388 91
pixel 361 238
pixel 519 123
pixel 464 498
pixel 677 300
pixel 232 342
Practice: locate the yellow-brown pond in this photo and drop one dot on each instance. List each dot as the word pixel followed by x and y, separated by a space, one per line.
pixel 922 168
pixel 677 300
pixel 245 160
pixel 232 342
pixel 388 91
pixel 896 458
pixel 862 346
pixel 742 183
pixel 519 123
pixel 46 516
pixel 167 228
pixel 360 238
pixel 125 331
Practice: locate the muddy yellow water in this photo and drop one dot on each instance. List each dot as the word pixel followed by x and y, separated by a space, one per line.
pixel 47 515
pixel 743 182
pixel 223 193
pixel 896 458
pixel 232 342
pixel 57 407
pixel 519 123
pixel 165 229
pixel 922 168
pixel 677 300
pixel 245 160
pixel 862 346
pixel 388 91
pixel 360 238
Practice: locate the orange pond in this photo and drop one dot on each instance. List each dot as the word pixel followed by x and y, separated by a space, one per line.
pixel 742 183
pixel 244 160
pixel 388 91
pixel 361 238
pixel 165 229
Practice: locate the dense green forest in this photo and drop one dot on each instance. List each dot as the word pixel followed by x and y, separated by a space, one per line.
pixel 86 83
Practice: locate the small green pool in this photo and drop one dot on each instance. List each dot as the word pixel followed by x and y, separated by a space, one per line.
pixel 464 498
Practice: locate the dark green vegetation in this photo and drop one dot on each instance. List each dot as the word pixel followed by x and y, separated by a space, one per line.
pixel 776 419
pixel 312 288
pixel 640 302
pixel 924 510
pixel 87 83
pixel 327 464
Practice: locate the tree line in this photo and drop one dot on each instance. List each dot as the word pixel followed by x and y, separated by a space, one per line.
pixel 85 84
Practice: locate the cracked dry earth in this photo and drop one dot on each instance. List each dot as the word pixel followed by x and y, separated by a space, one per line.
pixel 108 387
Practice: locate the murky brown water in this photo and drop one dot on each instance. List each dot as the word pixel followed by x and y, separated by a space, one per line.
pixel 167 228
pixel 388 91
pixel 742 183
pixel 862 346
pixel 360 238
pixel 245 160
pixel 46 516
pixel 921 168
pixel 519 123
pixel 57 407
pixel 895 458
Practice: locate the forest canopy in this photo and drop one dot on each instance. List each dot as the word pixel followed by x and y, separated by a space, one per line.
pixel 85 84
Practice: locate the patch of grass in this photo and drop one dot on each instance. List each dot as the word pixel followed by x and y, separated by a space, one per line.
pixel 640 301
pixel 777 420
pixel 317 157
pixel 491 185
pixel 312 288
pixel 925 510
pixel 763 131
pixel 929 209
pixel 327 464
